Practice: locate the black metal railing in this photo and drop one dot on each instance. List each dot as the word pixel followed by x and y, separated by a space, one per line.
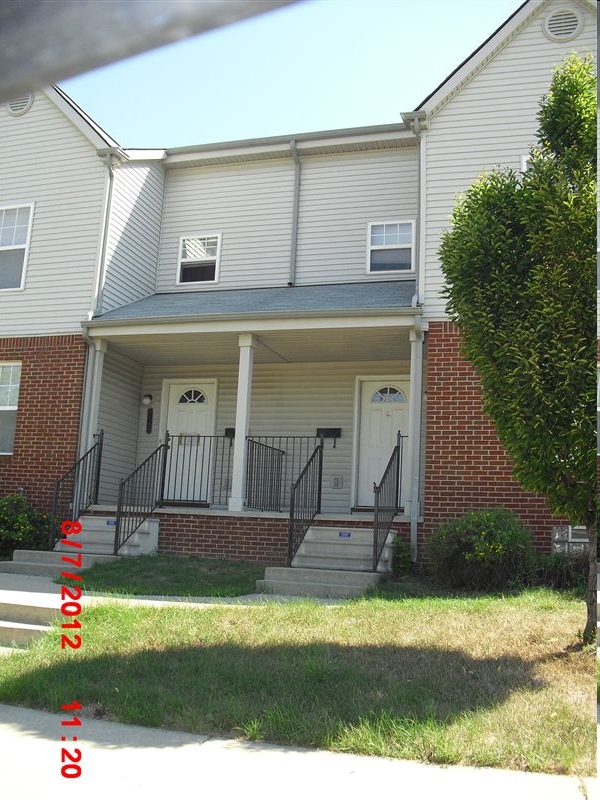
pixel 77 489
pixel 264 476
pixel 139 494
pixel 305 500
pixel 297 450
pixel 198 469
pixel 387 501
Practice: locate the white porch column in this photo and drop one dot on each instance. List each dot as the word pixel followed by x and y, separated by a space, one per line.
pixel 415 414
pixel 93 393
pixel 242 421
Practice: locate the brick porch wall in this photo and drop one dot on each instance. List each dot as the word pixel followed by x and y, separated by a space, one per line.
pixel 48 414
pixel 261 539
pixel 466 466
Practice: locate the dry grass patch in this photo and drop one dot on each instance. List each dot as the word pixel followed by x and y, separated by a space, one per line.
pixel 485 681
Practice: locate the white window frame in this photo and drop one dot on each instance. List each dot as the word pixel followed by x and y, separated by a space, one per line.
pixel 411 247
pixel 180 261
pixel 25 247
pixel 12 407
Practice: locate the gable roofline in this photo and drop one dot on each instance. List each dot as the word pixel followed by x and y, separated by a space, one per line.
pixel 482 54
pixel 84 123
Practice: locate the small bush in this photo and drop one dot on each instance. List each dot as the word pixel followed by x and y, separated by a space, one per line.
pixel 21 526
pixel 401 557
pixel 560 571
pixel 488 549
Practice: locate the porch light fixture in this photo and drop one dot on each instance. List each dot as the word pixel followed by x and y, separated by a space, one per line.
pixel 146 399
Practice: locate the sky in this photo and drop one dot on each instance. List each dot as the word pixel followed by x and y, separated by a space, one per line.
pixel 312 66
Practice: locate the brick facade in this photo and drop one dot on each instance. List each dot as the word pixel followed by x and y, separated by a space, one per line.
pixel 48 414
pixel 247 538
pixel 466 467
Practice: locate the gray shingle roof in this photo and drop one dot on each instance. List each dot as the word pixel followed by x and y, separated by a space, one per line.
pixel 338 297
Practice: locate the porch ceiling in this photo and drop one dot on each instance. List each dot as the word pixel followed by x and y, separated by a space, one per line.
pixel 271 347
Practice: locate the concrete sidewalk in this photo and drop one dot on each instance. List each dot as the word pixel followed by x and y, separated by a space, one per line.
pixel 130 761
pixel 137 762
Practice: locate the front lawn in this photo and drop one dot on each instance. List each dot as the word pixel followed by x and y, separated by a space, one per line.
pixel 486 681
pixel 172 576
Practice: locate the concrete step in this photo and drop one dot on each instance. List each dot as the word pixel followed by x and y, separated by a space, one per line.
pixel 349 549
pixel 20 633
pixel 345 562
pixel 305 582
pixel 34 614
pixel 324 533
pixel 50 563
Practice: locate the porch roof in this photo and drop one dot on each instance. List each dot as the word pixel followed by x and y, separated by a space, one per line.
pixel 376 296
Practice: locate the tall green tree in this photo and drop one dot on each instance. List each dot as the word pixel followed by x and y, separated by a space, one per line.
pixel 520 270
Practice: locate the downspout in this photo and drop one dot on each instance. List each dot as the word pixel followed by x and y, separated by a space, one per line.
pixel 86 434
pixel 295 212
pixel 418 123
pixel 107 158
pixel 416 127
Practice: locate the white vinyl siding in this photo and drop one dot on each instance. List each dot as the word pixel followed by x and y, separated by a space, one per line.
pixel 132 248
pixel 339 196
pixel 250 205
pixel 118 415
pixel 47 161
pixel 490 122
pixel 287 399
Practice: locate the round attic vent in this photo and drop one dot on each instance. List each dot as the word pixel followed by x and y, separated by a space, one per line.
pixel 562 25
pixel 20 105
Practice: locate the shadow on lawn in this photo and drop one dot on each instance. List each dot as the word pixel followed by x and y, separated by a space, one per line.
pixel 302 695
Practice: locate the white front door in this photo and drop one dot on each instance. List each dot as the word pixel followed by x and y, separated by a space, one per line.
pixel 190 422
pixel 383 412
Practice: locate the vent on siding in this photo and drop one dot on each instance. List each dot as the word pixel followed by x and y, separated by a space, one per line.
pixel 562 25
pixel 20 105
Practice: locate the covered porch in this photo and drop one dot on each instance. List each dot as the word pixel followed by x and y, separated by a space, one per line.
pixel 229 412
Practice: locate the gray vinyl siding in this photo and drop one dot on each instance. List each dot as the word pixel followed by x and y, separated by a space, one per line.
pixel 135 221
pixel 118 416
pixel 45 160
pixel 250 205
pixel 289 399
pixel 339 197
pixel 491 122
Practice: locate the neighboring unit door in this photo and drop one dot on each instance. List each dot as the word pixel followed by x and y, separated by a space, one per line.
pixel 191 423
pixel 383 412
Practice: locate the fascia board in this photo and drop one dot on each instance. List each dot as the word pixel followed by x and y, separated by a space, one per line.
pixel 481 56
pixel 383 318
pixel 98 138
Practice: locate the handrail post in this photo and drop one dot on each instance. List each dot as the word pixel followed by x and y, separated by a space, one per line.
pixel 399 446
pixel 320 477
pixel 163 473
pixel 98 462
pixel 291 528
pixel 376 490
pixel 119 516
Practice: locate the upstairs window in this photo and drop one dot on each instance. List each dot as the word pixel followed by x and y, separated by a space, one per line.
pixel 15 230
pixel 199 259
pixel 391 247
pixel 10 379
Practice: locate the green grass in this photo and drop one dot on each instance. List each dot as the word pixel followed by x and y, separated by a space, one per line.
pixel 487 681
pixel 171 576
